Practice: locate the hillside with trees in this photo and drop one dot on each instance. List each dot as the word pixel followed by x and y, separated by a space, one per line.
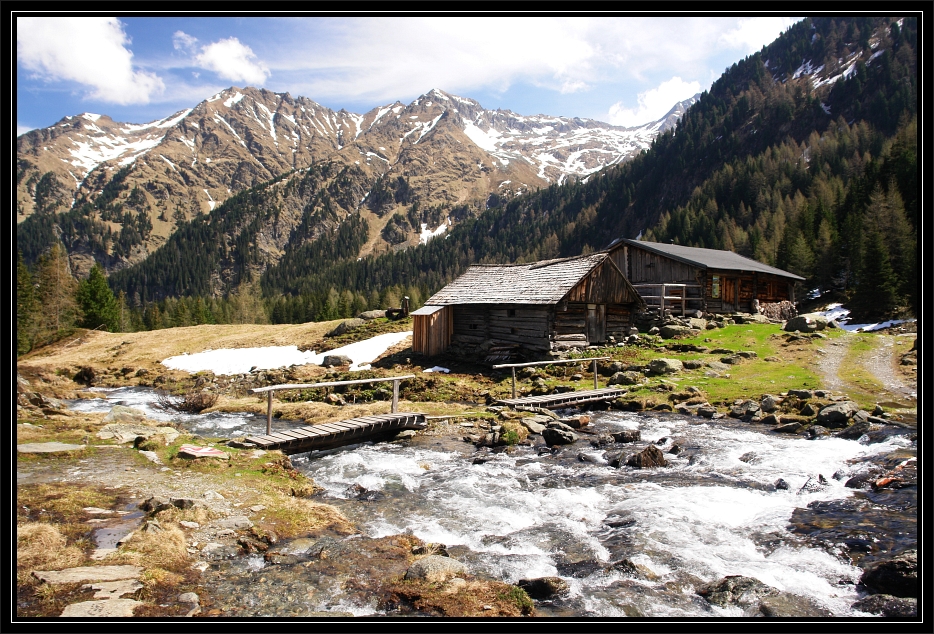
pixel 803 156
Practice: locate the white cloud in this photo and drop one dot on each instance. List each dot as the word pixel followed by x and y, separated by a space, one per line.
pixel 232 60
pixel 751 34
pixel 91 51
pixel 654 103
pixel 183 41
pixel 23 129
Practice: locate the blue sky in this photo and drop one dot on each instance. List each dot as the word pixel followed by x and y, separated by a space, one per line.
pixel 625 70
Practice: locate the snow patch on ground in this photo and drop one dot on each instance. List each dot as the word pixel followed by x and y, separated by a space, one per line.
pixel 242 360
pixel 842 316
pixel 437 368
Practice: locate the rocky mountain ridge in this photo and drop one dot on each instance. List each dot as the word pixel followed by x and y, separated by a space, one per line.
pixel 448 151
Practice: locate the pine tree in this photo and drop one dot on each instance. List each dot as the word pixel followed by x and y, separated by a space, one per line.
pixel 98 302
pixel 876 294
pixel 56 294
pixel 26 307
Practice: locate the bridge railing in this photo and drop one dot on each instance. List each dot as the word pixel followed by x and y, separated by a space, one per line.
pixel 303 386
pixel 523 365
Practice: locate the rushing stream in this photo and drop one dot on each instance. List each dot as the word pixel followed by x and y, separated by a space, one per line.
pixel 532 512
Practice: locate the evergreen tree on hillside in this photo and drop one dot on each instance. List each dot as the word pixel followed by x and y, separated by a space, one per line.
pixel 56 294
pixel 876 293
pixel 26 307
pixel 98 302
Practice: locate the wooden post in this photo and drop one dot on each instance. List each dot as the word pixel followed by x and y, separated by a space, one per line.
pixel 594 374
pixel 269 413
pixel 514 383
pixel 395 396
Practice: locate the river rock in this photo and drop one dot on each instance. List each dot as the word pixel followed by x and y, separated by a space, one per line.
pixel 854 431
pixel 649 457
pixel 838 414
pixel 544 587
pixel 88 573
pixel 435 569
pixel 665 366
pixel 372 314
pixel 787 605
pixel 817 431
pixel 345 326
pixel 888 606
pixel 534 426
pixel 632 569
pixel 745 408
pixel 627 435
pixel 736 590
pixel 707 411
pixel 335 359
pixel 97 609
pixel 768 404
pixel 801 394
pixel 788 428
pixel 897 576
pixel 156 504
pixel 559 435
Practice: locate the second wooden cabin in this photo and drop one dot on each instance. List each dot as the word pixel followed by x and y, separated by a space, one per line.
pixel 537 307
pixel 682 279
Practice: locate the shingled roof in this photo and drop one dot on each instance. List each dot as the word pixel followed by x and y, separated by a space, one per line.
pixel 545 282
pixel 709 258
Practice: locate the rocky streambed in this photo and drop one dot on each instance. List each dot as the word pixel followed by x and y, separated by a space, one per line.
pixel 634 514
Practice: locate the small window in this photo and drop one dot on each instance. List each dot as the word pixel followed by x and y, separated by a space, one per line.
pixel 473 326
pixel 510 312
pixel 715 286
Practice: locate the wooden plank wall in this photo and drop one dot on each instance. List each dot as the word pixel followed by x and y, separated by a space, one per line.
pixel 604 285
pixel 528 326
pixel 662 269
pixel 431 334
pixel 618 320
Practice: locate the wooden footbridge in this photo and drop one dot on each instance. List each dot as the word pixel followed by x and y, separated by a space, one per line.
pixel 566 399
pixel 345 432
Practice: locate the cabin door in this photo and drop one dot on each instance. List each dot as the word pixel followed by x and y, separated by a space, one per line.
pixel 596 323
pixel 729 295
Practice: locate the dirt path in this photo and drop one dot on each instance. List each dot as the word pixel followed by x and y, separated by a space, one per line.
pixel 880 363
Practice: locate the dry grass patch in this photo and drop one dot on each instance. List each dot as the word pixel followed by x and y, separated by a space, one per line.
pixel 42 546
pixel 292 516
pixel 62 504
pixel 164 549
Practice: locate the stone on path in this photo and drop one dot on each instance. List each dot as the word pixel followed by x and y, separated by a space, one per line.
pixel 47 447
pixel 125 432
pixel 108 607
pixel 151 456
pixel 113 589
pixel 194 451
pixel 88 573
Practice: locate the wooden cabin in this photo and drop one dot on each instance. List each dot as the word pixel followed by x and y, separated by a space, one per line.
pixel 682 279
pixel 536 307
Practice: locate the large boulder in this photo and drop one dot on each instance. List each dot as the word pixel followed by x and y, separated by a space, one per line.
pixel 665 366
pixel 121 414
pixel 345 326
pixel 746 408
pixel 810 322
pixel 627 435
pixel 335 359
pixel 372 314
pixel 435 569
pixel 670 331
pixel 650 457
pixel 562 435
pixel 897 576
pixel 769 404
pixel 736 590
pixel 855 431
pixel 888 606
pixel 544 587
pixel 838 414
pixel 629 377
